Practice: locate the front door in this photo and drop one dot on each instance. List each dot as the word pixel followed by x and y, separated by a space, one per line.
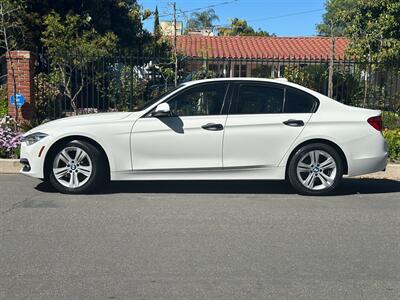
pixel 191 138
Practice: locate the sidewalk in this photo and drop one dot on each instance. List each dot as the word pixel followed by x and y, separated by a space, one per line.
pixel 392 172
pixel 9 166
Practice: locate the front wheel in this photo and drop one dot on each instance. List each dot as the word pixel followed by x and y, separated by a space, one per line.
pixel 77 167
pixel 315 169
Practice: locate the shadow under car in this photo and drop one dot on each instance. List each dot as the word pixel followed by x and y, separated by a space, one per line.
pixel 349 186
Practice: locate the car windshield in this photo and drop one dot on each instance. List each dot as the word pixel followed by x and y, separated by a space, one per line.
pixel 155 99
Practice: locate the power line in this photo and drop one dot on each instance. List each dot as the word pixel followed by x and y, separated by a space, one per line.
pixel 196 9
pixel 248 21
pixel 270 18
pixel 287 15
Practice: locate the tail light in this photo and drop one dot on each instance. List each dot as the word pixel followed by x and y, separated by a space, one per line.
pixel 376 122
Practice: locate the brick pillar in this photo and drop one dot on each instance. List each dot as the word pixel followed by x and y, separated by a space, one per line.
pixel 24 67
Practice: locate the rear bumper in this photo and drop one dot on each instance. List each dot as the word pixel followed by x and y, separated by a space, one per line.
pixel 368 165
pixel 366 153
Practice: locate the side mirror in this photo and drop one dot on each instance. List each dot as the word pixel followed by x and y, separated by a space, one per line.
pixel 162 110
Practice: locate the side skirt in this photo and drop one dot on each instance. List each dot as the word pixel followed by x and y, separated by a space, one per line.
pixel 236 173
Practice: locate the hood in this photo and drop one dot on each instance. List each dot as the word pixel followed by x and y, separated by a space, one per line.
pixel 81 120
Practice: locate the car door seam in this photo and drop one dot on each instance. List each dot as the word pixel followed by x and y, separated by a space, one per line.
pixel 131 144
pixel 294 140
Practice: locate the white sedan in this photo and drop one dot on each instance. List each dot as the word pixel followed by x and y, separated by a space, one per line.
pixel 229 129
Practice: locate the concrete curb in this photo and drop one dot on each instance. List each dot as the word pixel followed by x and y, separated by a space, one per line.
pixel 392 172
pixel 9 166
pixel 12 166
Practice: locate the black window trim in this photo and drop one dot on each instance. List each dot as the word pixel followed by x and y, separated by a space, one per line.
pixel 238 84
pixel 225 103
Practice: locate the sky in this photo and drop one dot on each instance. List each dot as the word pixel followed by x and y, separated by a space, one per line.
pixel 282 17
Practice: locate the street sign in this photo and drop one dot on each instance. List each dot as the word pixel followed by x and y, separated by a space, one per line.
pixel 20 100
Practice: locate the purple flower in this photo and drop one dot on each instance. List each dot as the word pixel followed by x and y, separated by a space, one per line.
pixel 10 141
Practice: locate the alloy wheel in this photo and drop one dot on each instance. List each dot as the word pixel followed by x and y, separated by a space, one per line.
pixel 316 170
pixel 72 167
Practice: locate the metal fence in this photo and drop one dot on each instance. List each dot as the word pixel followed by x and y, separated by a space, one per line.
pixel 120 83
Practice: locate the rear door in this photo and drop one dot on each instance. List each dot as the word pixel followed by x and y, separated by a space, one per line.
pixel 264 120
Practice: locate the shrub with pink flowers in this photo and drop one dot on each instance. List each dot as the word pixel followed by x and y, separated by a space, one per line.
pixel 10 142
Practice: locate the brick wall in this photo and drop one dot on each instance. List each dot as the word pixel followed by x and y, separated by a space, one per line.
pixel 24 67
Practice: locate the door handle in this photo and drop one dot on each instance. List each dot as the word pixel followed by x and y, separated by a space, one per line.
pixel 213 127
pixel 294 123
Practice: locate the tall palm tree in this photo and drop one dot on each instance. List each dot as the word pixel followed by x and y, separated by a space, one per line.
pixel 202 20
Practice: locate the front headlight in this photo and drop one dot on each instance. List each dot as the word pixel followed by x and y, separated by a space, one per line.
pixel 33 138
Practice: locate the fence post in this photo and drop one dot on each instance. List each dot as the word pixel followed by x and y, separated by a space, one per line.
pixel 24 67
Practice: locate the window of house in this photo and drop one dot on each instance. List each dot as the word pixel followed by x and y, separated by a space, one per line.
pixel 206 99
pixel 240 70
pixel 213 67
pixel 217 69
pixel 243 71
pixel 259 99
pixel 298 102
pixel 281 71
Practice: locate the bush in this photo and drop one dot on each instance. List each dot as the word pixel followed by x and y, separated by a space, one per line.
pixel 391 120
pixel 3 102
pixel 28 125
pixel 393 139
pixel 10 142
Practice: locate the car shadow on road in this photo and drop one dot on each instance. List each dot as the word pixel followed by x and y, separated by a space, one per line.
pixel 349 186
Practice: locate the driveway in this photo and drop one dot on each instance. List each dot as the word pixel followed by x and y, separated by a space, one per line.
pixel 199 240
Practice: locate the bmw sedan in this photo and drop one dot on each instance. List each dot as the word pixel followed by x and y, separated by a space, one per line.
pixel 228 129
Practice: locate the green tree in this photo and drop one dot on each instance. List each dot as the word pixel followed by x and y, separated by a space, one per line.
pixel 158 46
pixel 121 17
pixel 335 15
pixel 374 30
pixel 12 32
pixel 3 102
pixel 240 27
pixel 126 89
pixel 156 27
pixel 72 46
pixel 202 20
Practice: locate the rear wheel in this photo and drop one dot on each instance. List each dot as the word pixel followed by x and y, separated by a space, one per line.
pixel 315 169
pixel 77 167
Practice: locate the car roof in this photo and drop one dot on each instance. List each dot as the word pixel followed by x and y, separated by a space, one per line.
pixel 282 81
pixel 235 79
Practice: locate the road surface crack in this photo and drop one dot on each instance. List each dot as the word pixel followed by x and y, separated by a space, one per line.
pixel 14 206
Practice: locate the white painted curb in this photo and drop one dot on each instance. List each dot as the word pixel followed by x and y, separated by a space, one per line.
pixel 9 166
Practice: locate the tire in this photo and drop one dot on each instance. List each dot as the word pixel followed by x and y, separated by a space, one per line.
pixel 315 169
pixel 77 167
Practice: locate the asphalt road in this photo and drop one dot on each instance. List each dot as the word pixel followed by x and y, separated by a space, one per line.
pixel 199 240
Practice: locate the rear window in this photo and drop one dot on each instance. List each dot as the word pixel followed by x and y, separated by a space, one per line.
pixel 299 102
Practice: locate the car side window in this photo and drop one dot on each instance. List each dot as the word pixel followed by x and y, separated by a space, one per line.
pixel 206 99
pixel 298 102
pixel 259 99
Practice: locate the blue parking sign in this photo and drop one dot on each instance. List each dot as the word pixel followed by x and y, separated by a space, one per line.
pixel 20 100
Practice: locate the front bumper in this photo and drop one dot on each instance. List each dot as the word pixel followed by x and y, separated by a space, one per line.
pixel 33 157
pixel 26 166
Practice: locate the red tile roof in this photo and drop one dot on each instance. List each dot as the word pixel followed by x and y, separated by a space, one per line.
pixel 253 47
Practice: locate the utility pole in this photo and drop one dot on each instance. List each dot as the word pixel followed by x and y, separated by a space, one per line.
pixel 330 75
pixel 175 50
